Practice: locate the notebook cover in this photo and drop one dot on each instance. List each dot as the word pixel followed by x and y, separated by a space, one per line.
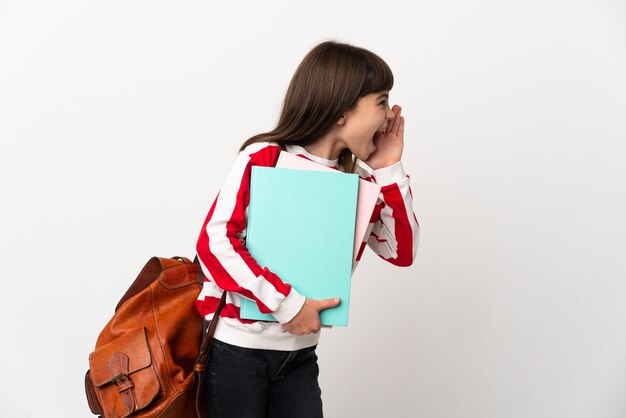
pixel 301 226
pixel 366 201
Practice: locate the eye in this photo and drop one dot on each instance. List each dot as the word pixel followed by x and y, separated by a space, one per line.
pixel 383 102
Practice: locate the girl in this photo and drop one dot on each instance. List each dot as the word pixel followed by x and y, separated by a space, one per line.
pixel 335 113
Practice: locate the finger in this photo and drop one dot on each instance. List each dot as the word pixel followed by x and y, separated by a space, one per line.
pixel 391 122
pixel 327 303
pixel 396 121
pixel 401 127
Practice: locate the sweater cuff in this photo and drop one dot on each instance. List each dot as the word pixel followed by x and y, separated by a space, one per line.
pixel 289 307
pixel 390 174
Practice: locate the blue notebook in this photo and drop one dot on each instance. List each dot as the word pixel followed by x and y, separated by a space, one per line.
pixel 301 226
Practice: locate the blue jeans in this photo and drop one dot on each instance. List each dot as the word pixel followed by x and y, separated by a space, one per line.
pixel 255 383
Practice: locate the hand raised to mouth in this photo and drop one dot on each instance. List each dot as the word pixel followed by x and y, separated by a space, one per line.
pixel 389 144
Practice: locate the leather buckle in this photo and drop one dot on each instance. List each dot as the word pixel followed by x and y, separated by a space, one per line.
pixel 118 378
pixel 123 382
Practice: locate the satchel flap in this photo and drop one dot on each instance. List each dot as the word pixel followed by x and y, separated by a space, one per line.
pixel 126 354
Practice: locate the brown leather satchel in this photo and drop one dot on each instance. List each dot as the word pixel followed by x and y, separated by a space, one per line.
pixel 150 358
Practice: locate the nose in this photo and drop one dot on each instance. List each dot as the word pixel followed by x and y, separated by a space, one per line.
pixel 390 114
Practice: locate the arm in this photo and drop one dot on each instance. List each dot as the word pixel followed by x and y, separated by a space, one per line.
pixel 395 230
pixel 395 233
pixel 221 245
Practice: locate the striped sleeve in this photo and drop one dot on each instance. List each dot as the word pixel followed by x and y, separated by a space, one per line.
pixel 395 232
pixel 221 245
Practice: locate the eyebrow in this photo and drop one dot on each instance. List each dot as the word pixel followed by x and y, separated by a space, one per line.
pixel 383 95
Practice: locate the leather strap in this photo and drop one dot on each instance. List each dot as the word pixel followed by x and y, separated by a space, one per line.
pixel 118 365
pixel 201 364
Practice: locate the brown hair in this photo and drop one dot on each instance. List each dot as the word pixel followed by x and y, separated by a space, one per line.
pixel 328 82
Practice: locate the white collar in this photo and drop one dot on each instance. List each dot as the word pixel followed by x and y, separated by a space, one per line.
pixel 297 149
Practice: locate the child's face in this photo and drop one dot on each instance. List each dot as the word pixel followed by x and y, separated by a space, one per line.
pixel 372 114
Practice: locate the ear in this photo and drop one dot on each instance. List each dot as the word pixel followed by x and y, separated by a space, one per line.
pixel 342 120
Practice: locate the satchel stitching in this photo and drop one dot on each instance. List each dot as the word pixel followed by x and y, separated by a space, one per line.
pixel 132 399
pixel 158 335
pixel 136 404
pixel 161 391
pixel 169 270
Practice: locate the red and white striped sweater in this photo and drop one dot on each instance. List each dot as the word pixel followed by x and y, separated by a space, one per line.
pixel 392 234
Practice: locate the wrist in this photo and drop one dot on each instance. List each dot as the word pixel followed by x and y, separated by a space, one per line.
pixel 384 164
pixel 389 174
pixel 289 307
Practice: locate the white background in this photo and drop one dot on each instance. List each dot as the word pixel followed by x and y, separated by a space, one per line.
pixel 120 120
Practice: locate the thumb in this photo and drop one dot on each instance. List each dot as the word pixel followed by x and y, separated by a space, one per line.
pixel 327 303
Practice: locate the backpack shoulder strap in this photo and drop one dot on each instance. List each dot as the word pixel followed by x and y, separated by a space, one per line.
pixel 201 364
